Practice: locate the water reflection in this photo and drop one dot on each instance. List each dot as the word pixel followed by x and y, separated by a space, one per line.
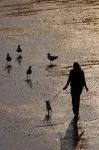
pixel 8 68
pixel 19 59
pixel 50 66
pixel 73 137
pixel 29 82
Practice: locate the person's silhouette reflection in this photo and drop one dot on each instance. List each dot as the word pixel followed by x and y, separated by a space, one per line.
pixel 29 82
pixel 77 81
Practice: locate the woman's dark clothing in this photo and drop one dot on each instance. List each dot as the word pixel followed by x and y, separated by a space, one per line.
pixel 77 82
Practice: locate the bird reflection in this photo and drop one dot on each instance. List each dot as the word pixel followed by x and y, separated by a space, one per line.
pixel 19 59
pixel 29 82
pixel 8 67
pixel 51 58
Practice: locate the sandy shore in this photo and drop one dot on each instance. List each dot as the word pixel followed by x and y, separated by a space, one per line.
pixel 69 29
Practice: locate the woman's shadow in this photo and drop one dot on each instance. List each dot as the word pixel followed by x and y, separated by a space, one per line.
pixel 73 137
pixel 50 66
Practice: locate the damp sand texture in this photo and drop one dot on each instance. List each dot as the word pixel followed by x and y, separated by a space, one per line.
pixel 70 30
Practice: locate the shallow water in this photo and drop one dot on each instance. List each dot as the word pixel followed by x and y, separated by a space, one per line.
pixel 68 29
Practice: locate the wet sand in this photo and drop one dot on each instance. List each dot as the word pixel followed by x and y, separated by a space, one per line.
pixel 69 29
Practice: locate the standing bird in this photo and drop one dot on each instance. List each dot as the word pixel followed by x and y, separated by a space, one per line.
pixel 8 58
pixel 19 50
pixel 51 58
pixel 29 72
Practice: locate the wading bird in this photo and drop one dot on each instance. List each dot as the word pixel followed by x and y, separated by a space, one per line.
pixel 29 72
pixel 51 58
pixel 8 58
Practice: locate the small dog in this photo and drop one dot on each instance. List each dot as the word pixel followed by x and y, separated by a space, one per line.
pixel 48 109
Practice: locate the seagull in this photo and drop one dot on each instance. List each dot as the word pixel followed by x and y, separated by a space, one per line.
pixel 51 58
pixel 8 58
pixel 19 50
pixel 28 72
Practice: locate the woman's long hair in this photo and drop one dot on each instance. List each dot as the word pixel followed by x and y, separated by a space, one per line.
pixel 76 66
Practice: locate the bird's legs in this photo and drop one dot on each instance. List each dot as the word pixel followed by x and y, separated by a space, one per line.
pixel 8 63
pixel 27 77
pixel 50 63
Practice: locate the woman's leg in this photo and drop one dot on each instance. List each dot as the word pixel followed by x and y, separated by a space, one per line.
pixel 75 102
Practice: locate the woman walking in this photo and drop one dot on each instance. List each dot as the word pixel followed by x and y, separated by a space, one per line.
pixel 77 81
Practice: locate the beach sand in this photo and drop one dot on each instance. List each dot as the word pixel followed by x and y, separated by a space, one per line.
pixel 70 30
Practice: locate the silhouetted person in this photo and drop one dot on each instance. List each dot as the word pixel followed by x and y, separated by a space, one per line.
pixel 48 109
pixel 29 72
pixel 8 58
pixel 51 58
pixel 77 81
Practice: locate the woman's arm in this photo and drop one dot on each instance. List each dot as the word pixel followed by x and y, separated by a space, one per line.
pixel 68 81
pixel 85 83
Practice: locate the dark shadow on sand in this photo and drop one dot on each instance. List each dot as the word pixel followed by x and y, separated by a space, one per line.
pixel 50 66
pixel 73 137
